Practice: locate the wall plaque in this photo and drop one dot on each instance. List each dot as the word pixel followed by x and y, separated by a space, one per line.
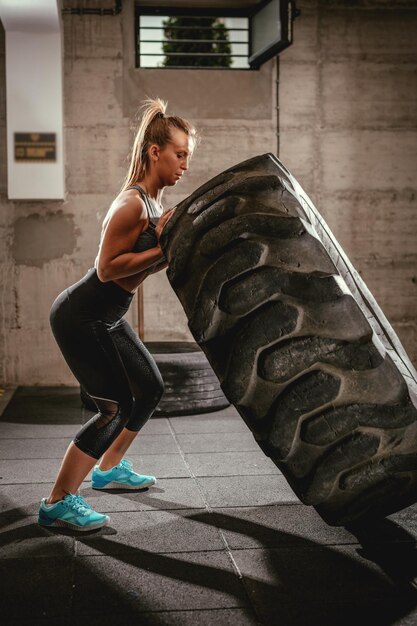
pixel 39 147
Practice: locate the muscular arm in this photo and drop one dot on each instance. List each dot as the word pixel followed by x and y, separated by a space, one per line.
pixel 127 218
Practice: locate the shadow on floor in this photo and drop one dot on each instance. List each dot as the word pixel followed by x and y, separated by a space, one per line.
pixel 299 582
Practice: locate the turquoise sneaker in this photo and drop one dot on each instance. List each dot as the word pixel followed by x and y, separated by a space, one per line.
pixel 73 512
pixel 121 476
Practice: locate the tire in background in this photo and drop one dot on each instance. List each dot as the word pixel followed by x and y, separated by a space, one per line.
pixel 299 344
pixel 191 386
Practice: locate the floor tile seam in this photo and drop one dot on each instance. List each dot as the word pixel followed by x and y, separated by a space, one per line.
pixel 188 509
pixel 212 510
pixel 124 614
pixel 258 548
pixel 241 578
pixel 86 483
pixel 319 547
pixel 117 553
pixel 255 506
pixel 64 437
pixel 254 450
pixel 128 549
pixel 188 512
pixel 208 508
pixel 54 458
pixel 226 549
pixel 110 511
pixel 148 552
pixel 267 548
pixel 187 466
pixel 30 438
pixel 226 451
pixel 238 475
pixel 149 612
pixel 211 432
pixel 138 612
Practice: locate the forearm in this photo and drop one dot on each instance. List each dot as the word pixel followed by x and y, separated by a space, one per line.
pixel 129 264
pixel 157 267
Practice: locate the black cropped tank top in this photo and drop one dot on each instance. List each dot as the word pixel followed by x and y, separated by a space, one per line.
pixel 147 239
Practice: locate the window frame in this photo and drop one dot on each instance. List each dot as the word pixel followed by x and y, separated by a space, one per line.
pixel 197 11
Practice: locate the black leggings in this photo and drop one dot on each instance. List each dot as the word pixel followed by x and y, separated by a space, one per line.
pixel 107 358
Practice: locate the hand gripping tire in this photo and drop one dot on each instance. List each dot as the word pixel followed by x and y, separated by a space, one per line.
pixel 297 341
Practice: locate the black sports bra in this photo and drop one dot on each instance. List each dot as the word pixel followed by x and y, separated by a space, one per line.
pixel 147 239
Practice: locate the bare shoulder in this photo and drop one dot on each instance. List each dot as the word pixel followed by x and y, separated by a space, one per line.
pixel 129 207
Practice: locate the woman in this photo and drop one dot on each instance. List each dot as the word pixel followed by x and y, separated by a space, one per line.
pixel 100 347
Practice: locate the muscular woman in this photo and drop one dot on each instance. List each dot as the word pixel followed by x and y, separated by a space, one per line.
pixel 102 350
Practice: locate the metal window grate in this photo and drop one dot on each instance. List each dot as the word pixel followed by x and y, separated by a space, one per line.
pixel 192 41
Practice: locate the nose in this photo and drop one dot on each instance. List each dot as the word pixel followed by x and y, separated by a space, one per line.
pixel 184 164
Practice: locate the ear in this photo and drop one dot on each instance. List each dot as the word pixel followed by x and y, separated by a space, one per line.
pixel 154 152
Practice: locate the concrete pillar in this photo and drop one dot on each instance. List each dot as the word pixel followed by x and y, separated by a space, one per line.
pixel 34 91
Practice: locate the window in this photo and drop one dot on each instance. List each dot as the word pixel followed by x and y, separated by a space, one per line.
pixel 193 37
pixel 186 40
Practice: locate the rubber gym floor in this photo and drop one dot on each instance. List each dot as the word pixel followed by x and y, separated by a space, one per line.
pixel 220 539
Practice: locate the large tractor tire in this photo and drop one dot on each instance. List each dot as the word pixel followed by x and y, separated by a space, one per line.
pixel 297 341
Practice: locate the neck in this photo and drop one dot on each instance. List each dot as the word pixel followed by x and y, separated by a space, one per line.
pixel 152 189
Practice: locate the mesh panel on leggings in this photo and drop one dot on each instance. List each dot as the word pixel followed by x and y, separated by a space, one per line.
pixel 144 376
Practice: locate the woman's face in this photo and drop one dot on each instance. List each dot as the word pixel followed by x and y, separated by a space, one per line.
pixel 173 158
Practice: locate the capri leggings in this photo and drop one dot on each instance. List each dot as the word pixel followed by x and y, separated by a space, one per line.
pixel 107 358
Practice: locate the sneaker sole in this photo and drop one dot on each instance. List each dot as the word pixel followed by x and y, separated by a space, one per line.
pixel 116 485
pixel 64 524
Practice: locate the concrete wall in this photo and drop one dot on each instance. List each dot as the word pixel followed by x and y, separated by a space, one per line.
pixel 46 246
pixel 348 132
pixel 348 112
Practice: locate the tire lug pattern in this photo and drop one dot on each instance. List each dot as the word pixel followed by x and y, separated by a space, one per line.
pixel 298 342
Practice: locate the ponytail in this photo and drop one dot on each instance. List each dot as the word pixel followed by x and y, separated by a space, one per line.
pixel 154 127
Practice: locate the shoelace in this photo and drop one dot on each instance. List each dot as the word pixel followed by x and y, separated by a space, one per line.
pixel 83 502
pixel 77 503
pixel 126 465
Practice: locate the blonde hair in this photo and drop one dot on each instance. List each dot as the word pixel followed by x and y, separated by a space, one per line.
pixel 154 127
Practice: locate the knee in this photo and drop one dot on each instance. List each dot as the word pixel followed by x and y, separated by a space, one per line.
pixel 109 410
pixel 102 429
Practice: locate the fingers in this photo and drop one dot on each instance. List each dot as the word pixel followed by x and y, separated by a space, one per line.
pixel 169 213
pixel 163 220
pixel 166 216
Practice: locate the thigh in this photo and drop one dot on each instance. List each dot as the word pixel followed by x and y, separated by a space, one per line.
pixel 93 358
pixel 142 371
